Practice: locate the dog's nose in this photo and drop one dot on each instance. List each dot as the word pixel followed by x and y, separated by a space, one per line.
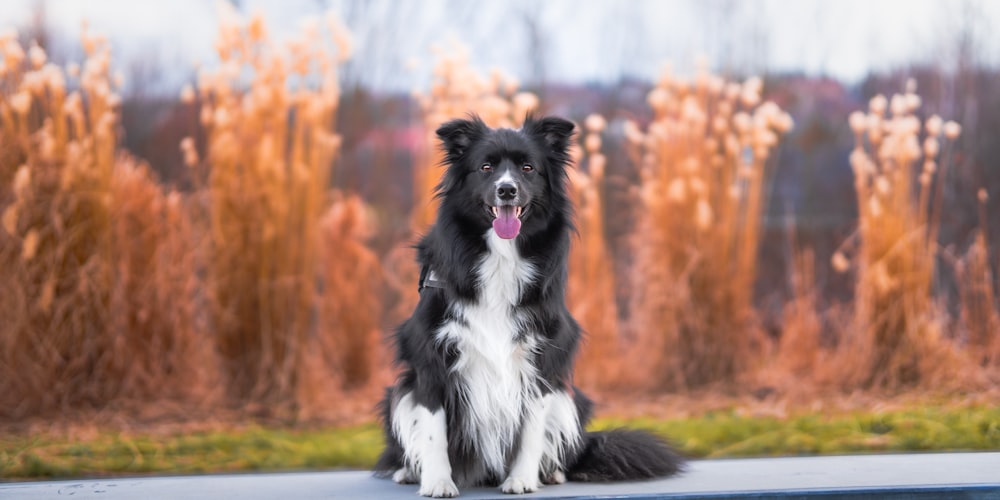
pixel 506 191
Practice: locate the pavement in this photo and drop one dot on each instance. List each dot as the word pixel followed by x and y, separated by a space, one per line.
pixel 911 476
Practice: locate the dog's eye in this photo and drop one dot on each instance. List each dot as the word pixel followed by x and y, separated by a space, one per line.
pixel 527 168
pixel 486 167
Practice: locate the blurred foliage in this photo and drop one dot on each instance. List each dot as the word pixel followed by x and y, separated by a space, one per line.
pixel 245 247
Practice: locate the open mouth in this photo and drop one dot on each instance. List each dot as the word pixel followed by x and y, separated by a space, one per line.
pixel 507 220
pixel 496 210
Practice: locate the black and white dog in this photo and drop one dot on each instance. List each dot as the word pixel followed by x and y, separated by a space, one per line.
pixel 486 394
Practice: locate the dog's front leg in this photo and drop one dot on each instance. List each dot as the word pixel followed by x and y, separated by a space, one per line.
pixel 524 473
pixel 435 474
pixel 424 436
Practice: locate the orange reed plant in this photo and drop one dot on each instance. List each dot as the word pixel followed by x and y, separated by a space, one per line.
pixel 351 298
pixel 703 165
pixel 160 334
pixel 979 319
pixel 93 284
pixel 591 288
pixel 346 366
pixel 269 111
pixel 896 339
pixel 798 349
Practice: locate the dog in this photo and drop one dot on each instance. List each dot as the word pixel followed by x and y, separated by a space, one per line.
pixel 485 396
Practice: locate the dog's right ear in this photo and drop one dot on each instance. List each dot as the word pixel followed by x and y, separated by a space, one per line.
pixel 457 135
pixel 555 132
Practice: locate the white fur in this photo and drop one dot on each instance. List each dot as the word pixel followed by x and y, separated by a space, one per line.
pixel 524 473
pixel 404 476
pixel 498 379
pixel 562 431
pixel 551 427
pixel 505 178
pixel 557 477
pixel 425 443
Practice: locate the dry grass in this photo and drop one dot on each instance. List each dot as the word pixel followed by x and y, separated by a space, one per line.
pixel 257 286
pixel 896 338
pixel 258 291
pixel 269 111
pixel 346 364
pixel 703 172
pixel 798 349
pixel 979 319
pixel 591 288
pixel 152 307
pixel 95 291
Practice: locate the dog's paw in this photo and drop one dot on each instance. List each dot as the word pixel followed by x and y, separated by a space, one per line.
pixel 557 477
pixel 403 476
pixel 519 485
pixel 440 488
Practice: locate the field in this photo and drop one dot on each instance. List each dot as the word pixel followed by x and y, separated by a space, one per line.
pixel 256 295
pixel 712 435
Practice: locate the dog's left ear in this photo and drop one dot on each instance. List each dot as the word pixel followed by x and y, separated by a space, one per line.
pixel 553 131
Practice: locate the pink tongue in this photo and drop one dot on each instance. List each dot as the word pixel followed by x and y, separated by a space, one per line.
pixel 507 225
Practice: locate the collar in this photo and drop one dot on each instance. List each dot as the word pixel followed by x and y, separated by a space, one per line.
pixel 429 279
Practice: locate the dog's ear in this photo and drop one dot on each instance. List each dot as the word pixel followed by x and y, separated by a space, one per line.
pixel 457 135
pixel 553 131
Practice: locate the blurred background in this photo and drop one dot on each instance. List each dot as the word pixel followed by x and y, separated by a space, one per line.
pixel 208 208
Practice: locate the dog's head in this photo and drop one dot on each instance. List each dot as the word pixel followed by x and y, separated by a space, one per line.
pixel 506 178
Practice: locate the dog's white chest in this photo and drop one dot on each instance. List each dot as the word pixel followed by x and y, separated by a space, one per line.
pixel 497 380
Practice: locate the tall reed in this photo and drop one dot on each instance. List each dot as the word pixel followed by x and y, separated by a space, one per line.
pixel 979 317
pixel 352 278
pixel 704 169
pixel 269 111
pixel 896 339
pixel 93 285
pixel 591 288
pixel 798 348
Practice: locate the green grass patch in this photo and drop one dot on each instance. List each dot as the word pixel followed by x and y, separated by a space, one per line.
pixel 713 435
pixel 254 449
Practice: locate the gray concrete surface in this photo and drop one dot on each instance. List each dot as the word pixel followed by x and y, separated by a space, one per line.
pixel 937 475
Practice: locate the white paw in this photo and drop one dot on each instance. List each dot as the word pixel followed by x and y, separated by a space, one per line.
pixel 557 477
pixel 441 488
pixel 519 485
pixel 403 476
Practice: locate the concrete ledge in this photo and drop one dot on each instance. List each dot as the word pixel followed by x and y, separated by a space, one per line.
pixel 914 476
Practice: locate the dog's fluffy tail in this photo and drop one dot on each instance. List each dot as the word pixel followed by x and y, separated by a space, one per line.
pixel 624 455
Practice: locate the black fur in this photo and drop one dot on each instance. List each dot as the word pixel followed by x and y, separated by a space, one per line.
pixel 624 454
pixel 452 249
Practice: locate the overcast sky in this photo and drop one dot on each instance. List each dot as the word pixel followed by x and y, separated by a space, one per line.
pixel 575 40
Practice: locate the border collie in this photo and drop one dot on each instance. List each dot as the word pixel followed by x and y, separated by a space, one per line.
pixel 485 397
